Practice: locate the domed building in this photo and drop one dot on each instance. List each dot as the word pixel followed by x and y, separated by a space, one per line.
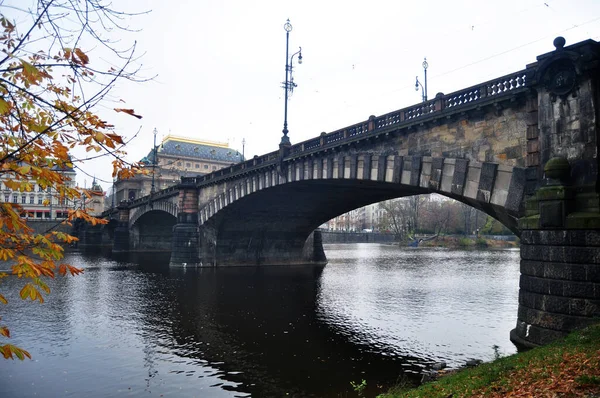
pixel 173 158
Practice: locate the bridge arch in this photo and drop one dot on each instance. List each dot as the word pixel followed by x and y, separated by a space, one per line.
pixel 267 215
pixel 152 231
pixel 165 206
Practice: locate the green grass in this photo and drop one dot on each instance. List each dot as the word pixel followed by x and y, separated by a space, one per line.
pixel 575 356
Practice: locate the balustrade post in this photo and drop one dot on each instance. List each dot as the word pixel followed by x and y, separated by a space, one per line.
pixel 439 102
pixel 371 123
pixel 185 244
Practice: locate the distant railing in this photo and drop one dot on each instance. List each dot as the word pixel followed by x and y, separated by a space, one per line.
pixel 441 104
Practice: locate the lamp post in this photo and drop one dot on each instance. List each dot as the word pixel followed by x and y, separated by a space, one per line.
pixel 418 83
pixel 153 162
pixel 289 84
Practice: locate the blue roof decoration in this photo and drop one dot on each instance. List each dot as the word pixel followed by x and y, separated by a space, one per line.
pixel 202 150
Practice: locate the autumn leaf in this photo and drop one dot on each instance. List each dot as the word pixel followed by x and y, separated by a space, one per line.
pixel 8 350
pixel 31 73
pixel 83 58
pixel 45 119
pixel 4 107
pixel 128 111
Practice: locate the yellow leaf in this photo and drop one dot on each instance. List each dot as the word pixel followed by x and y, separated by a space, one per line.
pixel 3 300
pixel 31 73
pixel 4 107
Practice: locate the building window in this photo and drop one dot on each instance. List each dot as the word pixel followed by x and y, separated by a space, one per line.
pixel 40 200
pixel 205 166
pixel 178 164
pixel 40 189
pixel 15 199
pixel 23 199
pixel 6 198
pixel 188 165
pixel 31 199
pixel 197 166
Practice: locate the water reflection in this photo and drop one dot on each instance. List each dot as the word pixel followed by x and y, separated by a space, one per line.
pixel 135 326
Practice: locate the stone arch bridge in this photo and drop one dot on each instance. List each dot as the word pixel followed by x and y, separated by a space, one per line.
pixel 522 148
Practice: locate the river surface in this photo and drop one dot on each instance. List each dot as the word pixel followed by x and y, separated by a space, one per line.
pixel 135 327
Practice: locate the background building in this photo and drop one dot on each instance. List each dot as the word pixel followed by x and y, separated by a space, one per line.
pixel 95 203
pixel 33 202
pixel 173 158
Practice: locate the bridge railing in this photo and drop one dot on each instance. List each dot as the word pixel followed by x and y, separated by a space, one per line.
pixel 440 105
pixel 504 85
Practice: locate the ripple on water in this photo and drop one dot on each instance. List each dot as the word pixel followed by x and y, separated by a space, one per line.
pixel 141 328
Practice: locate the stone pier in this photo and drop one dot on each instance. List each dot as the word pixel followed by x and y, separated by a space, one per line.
pixel 560 233
pixel 121 234
pixel 185 244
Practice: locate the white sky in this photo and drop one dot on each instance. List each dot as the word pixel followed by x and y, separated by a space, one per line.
pixel 220 63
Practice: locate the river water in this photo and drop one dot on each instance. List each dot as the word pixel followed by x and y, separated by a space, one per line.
pixel 135 327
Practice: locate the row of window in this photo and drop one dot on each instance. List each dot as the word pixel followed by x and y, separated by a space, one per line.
pixel 46 214
pixel 188 165
pixel 40 199
pixel 36 188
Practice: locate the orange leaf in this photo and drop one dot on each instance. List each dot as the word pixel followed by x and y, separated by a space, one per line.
pixel 128 111
pixel 84 59
pixel 4 331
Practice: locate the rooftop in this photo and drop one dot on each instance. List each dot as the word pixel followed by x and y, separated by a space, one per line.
pixel 200 149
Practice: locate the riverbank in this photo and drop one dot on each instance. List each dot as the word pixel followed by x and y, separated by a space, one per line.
pixel 566 368
pixel 455 242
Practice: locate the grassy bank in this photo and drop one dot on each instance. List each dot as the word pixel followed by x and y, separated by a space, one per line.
pixel 567 368
pixel 453 242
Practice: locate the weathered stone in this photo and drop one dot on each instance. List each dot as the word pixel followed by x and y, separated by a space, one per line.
pixel 415 170
pixel 460 175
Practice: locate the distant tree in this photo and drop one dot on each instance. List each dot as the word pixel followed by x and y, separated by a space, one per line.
pixel 396 218
pixel 436 215
pixel 48 93
pixel 401 216
pixel 494 227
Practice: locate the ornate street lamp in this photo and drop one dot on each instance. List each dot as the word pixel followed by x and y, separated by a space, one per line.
pixel 112 204
pixel 289 84
pixel 418 83
pixel 152 190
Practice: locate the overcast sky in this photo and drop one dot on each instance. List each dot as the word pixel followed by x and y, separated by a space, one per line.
pixel 219 64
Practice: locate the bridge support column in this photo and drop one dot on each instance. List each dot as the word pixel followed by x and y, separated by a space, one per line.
pixel 121 235
pixel 560 260
pixel 185 247
pixel 313 249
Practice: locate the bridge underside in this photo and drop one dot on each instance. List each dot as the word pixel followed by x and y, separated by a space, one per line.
pixel 271 226
pixel 152 232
